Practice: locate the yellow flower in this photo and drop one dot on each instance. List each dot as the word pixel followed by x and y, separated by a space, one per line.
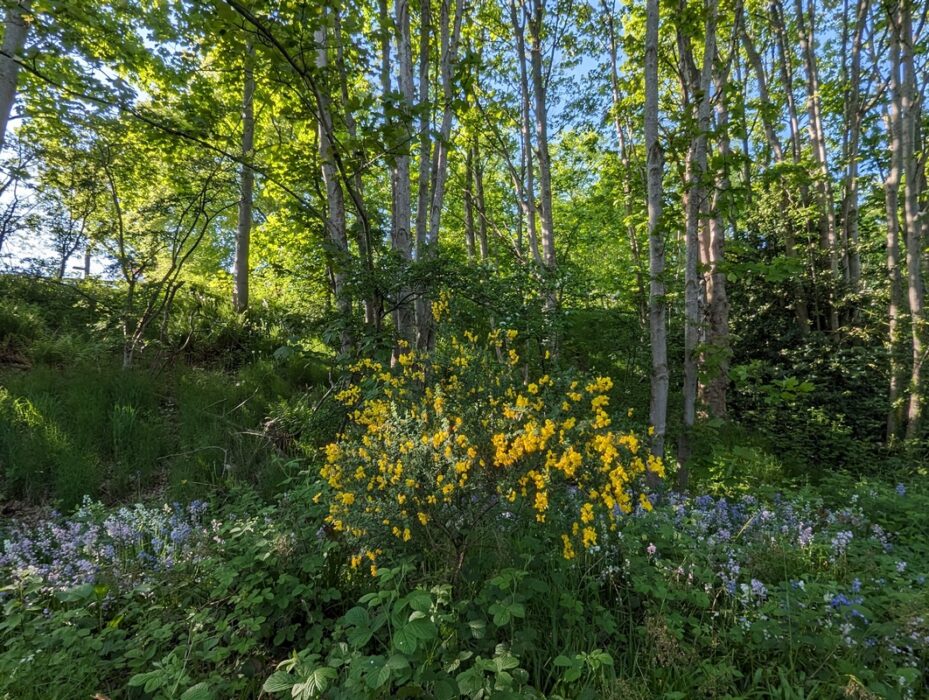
pixel 567 549
pixel 589 536
pixel 423 518
pixel 533 388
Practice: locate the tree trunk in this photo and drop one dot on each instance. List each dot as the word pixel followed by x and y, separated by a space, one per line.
pixel 658 333
pixel 765 108
pixel 246 184
pixel 372 298
pixel 715 356
pixel 697 88
pixel 909 115
pixel 335 203
pixel 853 117
pixel 546 223
pixel 627 174
pixel 15 29
pixel 541 131
pixel 527 196
pixel 479 202
pixel 786 70
pixel 469 201
pixel 892 209
pixel 400 176
pixel 827 225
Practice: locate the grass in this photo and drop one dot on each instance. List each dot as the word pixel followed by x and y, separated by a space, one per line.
pixel 98 430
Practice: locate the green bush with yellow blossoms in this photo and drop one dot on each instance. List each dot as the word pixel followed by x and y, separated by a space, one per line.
pixel 438 446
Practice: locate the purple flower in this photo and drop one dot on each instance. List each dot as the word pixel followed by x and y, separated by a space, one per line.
pixel 841 541
pixel 901 490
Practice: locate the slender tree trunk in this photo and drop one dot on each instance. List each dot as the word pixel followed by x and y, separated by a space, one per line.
pixel 786 71
pixel 449 38
pixel 627 175
pixel 246 185
pixel 15 29
pixel 372 299
pixel 479 201
pixel 715 357
pixel 469 201
pixel 765 108
pixel 335 201
pixel 541 132
pixel 658 332
pixel 853 118
pixel 527 197
pixel 909 115
pixel 827 226
pixel 401 238
pixel 698 86
pixel 546 222
pixel 895 282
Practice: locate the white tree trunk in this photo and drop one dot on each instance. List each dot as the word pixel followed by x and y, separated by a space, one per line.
pixel 246 186
pixel 15 29
pixel 658 333
pixel 335 203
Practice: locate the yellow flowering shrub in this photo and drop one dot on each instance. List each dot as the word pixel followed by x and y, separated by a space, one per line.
pixel 442 446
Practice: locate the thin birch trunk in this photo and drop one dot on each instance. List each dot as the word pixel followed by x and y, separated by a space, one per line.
pixel 335 202
pixel 15 29
pixel 527 196
pixel 698 85
pixel 827 226
pixel 401 238
pixel 909 115
pixel 658 332
pixel 241 269
pixel 895 391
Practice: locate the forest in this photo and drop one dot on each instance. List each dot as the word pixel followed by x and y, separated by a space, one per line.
pixel 487 349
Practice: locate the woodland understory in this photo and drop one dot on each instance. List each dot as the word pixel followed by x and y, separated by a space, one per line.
pixel 464 348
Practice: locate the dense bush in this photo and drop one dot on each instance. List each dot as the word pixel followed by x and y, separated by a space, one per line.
pixel 446 443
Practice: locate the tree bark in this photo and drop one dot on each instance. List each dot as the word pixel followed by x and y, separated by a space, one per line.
pixel 895 391
pixel 335 202
pixel 853 118
pixel 400 177
pixel 698 100
pixel 827 226
pixel 909 116
pixel 715 357
pixel 479 201
pixel 546 223
pixel 15 29
pixel 627 174
pixel 527 196
pixel 541 131
pixel 658 333
pixel 246 186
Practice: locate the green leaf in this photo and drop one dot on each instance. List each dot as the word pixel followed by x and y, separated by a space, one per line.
pixel 278 682
pixel 201 691
pixel 420 600
pixel 405 639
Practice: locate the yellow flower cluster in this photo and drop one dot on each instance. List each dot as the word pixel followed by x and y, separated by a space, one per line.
pixel 429 462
